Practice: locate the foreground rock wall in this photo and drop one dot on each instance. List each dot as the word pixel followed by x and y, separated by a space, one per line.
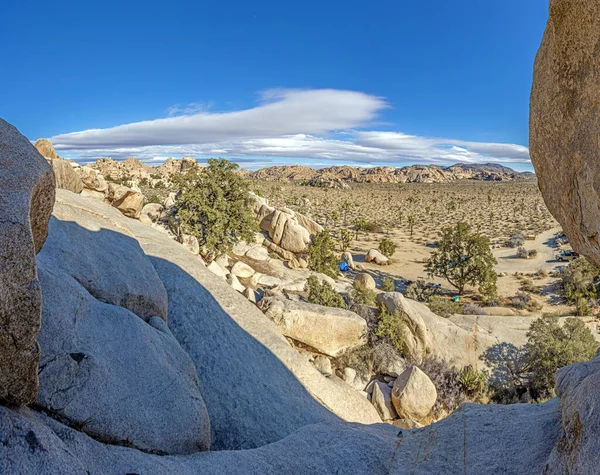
pixel 26 200
pixel 565 119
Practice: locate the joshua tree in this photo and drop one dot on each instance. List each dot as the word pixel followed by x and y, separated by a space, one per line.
pixel 411 223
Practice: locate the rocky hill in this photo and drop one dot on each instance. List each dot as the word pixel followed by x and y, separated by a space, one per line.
pixel 335 175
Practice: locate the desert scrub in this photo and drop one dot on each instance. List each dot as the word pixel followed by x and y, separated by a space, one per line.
pixel 391 327
pixel 551 346
pixel 516 240
pixel 322 293
pixel 321 255
pixel 472 309
pixel 524 301
pixel 361 295
pixel 527 285
pixel 578 281
pixel 444 307
pixel 387 285
pixel 387 247
pixel 452 392
pixel 522 253
pixel 422 291
pixel 369 359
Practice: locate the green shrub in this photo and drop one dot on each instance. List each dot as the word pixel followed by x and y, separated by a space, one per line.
pixel 388 285
pixel 421 291
pixel 444 307
pixel 212 206
pixel 387 247
pixel 154 198
pixel 322 293
pixel 578 280
pixel 321 255
pixel 527 285
pixel 391 327
pixel 474 382
pixel 583 308
pixel 361 295
pixel 551 346
pixel 522 253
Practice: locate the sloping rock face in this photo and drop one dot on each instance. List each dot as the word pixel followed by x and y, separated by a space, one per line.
pixel 512 440
pixel 26 200
pixel 93 243
pixel 257 388
pixel 102 367
pixel 565 115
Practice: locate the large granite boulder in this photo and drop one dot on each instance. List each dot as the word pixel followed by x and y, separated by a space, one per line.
pixel 66 177
pixel 93 244
pixel 565 115
pixel 26 198
pixel 329 330
pixel 115 377
pixel 127 200
pixel 46 149
pixel 413 394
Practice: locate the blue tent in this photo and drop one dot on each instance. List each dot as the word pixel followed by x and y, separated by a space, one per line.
pixel 344 266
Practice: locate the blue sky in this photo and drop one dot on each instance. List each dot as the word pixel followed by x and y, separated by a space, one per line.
pixel 316 82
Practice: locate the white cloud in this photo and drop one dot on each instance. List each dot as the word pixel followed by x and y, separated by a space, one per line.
pixel 294 124
pixel 282 112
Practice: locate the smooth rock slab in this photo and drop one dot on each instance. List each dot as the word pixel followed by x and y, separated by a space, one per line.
pixel 331 331
pixel 26 198
pixel 93 243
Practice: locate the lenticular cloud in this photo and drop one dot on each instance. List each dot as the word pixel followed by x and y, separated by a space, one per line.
pixel 322 124
pixel 282 112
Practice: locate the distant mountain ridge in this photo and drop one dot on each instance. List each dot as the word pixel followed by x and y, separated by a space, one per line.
pixel 334 176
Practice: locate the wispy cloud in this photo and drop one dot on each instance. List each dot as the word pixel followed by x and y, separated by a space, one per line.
pixel 324 124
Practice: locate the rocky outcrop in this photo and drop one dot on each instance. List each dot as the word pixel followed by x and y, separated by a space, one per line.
pixel 340 176
pixel 46 149
pixel 26 199
pixel 365 281
pixel 289 232
pixel 66 177
pixel 565 113
pixel 330 330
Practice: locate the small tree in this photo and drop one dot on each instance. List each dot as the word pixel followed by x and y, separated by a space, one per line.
pixel 411 224
pixel 387 247
pixel 321 254
pixel 464 258
pixel 321 293
pixel 345 239
pixel 551 346
pixel 212 205
pixel 362 295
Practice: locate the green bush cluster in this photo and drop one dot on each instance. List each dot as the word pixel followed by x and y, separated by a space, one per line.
pixel 391 327
pixel 444 307
pixel 387 247
pixel 322 256
pixel 322 293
